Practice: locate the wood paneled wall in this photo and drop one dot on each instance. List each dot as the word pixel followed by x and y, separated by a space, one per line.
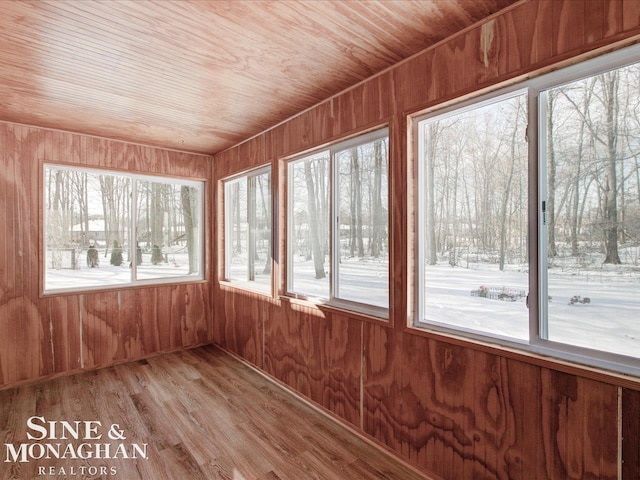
pixel 455 410
pixel 44 336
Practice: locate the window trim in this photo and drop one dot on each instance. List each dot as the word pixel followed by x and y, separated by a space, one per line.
pixel 248 285
pixel 200 184
pixel 537 305
pixel 382 313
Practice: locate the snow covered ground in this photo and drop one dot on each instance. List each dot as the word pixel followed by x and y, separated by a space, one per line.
pixel 109 275
pixel 610 322
pixel 364 281
pixel 448 300
pixel 240 272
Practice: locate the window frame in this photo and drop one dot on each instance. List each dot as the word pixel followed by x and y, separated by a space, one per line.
pixel 134 178
pixel 378 133
pixel 248 176
pixel 538 343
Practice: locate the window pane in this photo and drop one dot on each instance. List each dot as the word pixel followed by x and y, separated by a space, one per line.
pixel 168 230
pixel 260 234
pixel 474 211
pixel 87 229
pixel 593 212
pixel 236 245
pixel 309 226
pixel 363 268
pixel 248 224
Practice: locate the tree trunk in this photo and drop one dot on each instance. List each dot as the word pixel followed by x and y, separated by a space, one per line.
pixel 505 201
pixel 237 220
pixel 611 188
pixel 357 184
pixel 266 212
pixel 378 214
pixel 157 220
pixel 430 214
pixel 314 223
pixel 186 195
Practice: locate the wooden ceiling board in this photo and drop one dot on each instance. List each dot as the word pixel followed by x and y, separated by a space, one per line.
pixel 203 75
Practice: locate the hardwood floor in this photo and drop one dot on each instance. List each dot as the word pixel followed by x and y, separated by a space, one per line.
pixel 202 415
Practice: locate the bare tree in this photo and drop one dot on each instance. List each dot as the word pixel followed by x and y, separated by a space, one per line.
pixel 431 143
pixel 265 196
pixel 314 222
pixel 188 196
pixel 377 212
pixel 610 98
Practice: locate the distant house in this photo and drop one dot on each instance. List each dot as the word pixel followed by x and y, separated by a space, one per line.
pixel 95 232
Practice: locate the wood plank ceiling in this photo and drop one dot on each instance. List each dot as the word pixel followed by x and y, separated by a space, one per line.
pixel 202 75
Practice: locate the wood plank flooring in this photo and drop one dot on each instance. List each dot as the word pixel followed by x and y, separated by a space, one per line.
pixel 203 415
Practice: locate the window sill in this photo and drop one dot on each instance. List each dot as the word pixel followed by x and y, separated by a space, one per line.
pixel 338 309
pixel 235 286
pixel 119 288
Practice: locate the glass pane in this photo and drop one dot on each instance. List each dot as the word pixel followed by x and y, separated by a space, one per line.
pixel 593 212
pixel 168 230
pixel 87 229
pixel 236 244
pixel 363 269
pixel 309 226
pixel 248 241
pixel 475 218
pixel 260 234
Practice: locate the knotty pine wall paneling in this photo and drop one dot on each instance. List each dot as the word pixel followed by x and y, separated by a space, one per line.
pixel 452 408
pixel 56 334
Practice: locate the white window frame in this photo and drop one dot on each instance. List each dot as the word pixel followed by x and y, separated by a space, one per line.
pixel 248 176
pixel 334 253
pixel 538 342
pixel 418 134
pixel 134 178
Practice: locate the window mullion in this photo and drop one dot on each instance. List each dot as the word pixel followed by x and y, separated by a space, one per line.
pixel 227 230
pixel 290 229
pixel 251 220
pixel 133 241
pixel 541 331
pixel 334 229
pixel 421 207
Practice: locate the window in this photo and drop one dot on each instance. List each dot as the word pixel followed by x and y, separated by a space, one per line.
pixel 590 255
pixel 106 229
pixel 248 230
pixel 476 215
pixel 338 224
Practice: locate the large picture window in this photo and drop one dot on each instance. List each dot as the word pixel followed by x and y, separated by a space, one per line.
pixel 248 230
pixel 107 229
pixel 476 214
pixel 338 224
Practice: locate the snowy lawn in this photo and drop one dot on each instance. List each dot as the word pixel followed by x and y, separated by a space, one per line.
pixel 363 281
pixel 109 275
pixel 448 300
pixel 610 322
